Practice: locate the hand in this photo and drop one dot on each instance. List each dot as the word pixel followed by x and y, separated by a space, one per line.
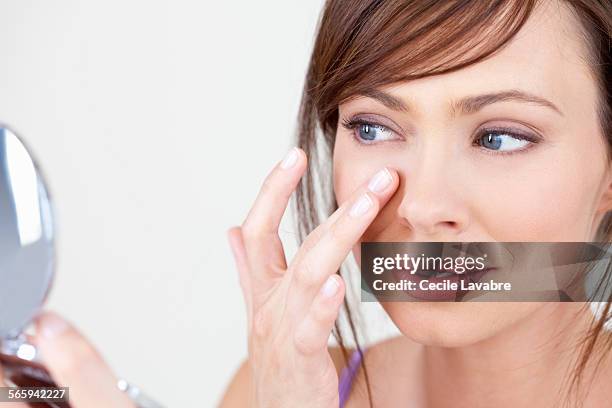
pixel 291 308
pixel 74 363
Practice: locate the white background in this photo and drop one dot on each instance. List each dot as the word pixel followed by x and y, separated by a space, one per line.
pixel 155 123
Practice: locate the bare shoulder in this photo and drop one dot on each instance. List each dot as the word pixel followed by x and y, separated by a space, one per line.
pixel 239 388
pixel 240 385
pixel 388 364
pixel 338 357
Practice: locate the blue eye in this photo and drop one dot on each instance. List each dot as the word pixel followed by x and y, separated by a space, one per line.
pixel 502 141
pixel 494 140
pixel 370 132
pixel 366 132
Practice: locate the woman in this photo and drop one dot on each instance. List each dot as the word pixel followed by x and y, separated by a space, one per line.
pixel 445 121
pixel 462 120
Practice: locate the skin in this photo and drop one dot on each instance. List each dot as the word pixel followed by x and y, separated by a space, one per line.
pixel 451 190
pixel 487 354
pixel 550 191
pixel 73 362
pixel 558 189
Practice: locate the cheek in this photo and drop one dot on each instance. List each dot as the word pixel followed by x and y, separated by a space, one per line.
pixel 351 171
pixel 549 200
pixel 548 195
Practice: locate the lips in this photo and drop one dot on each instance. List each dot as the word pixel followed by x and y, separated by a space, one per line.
pixel 439 277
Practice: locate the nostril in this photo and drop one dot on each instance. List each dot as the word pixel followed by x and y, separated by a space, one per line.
pixel 427 216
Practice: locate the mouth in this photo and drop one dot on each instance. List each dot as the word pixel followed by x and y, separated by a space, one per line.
pixel 440 276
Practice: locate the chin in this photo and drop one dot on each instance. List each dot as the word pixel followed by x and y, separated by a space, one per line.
pixel 451 324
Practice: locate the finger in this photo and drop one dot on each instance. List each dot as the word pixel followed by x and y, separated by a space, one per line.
pixel 264 249
pixel 312 334
pixel 269 206
pixel 373 185
pixel 74 363
pixel 325 257
pixel 234 236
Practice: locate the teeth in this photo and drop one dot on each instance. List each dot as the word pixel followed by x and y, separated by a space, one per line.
pixel 436 274
pixel 425 274
pixel 444 274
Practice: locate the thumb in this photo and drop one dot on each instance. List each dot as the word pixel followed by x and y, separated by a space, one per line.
pixel 73 362
pixel 234 236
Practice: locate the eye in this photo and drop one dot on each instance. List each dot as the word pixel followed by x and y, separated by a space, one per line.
pixel 369 132
pixel 503 140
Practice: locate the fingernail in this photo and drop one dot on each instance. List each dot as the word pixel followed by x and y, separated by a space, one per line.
pixel 52 326
pixel 361 206
pixel 330 287
pixel 380 181
pixel 290 159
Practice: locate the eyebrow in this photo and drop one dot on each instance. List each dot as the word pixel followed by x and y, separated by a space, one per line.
pixel 469 104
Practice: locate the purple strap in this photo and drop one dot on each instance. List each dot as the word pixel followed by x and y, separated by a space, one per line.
pixel 348 374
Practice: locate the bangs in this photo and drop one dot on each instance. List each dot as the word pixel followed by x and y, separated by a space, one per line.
pixel 371 44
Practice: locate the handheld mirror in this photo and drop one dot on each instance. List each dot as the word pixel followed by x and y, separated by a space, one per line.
pixel 27 265
pixel 27 256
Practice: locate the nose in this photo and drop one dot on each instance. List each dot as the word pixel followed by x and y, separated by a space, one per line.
pixel 432 203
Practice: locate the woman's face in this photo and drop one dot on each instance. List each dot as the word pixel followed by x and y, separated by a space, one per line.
pixel 509 149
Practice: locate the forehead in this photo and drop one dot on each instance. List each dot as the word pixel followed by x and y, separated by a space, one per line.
pixel 547 57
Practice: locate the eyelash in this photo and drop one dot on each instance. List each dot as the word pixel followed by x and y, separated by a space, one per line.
pixel 353 123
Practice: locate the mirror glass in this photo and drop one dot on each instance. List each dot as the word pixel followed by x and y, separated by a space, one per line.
pixel 26 236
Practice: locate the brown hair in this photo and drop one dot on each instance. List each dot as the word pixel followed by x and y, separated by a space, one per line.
pixel 362 45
